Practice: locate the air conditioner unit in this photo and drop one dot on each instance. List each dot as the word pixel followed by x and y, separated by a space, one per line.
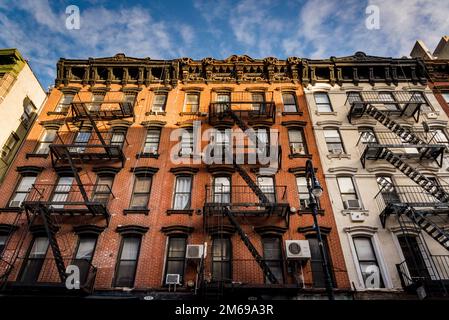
pixel 297 249
pixel 173 278
pixel 195 251
pixel 336 151
pixel 432 115
pixel 306 204
pixel 352 204
pixel 297 150
pixel 15 204
pixel 151 150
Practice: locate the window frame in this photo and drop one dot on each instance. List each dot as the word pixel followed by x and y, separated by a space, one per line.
pixel 279 261
pixel 175 193
pixel 45 142
pixel 222 259
pixel 64 107
pixel 169 259
pixel 17 185
pixel 302 142
pixel 187 109
pixel 320 261
pixel 355 193
pixel 162 106
pixel 136 176
pixel 376 261
pixel 119 259
pixel 318 104
pixel 295 101
pixel 343 150
pixel 156 151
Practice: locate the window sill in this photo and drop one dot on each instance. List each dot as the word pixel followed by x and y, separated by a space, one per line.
pixel 147 155
pixel 36 155
pixel 199 114
pixel 136 211
pixel 57 113
pixel 349 211
pixel 298 155
pixel 332 113
pixel 180 211
pixel 10 209
pixel 156 113
pixel 339 156
pixel 309 211
pixel 296 113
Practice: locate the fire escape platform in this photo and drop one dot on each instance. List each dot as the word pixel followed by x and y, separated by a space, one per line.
pixel 219 112
pixel 108 110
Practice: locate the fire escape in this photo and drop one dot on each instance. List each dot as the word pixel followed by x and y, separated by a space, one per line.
pixel 251 199
pixel 50 203
pixel 423 206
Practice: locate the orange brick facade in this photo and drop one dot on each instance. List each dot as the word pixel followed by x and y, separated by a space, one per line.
pixel 159 218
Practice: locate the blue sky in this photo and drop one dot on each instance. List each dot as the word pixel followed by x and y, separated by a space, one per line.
pixel 199 28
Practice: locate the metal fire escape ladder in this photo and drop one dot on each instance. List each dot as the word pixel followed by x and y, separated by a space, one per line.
pixel 51 230
pixel 408 137
pixel 259 259
pixel 431 228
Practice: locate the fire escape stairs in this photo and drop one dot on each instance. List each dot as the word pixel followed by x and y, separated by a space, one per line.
pixel 429 186
pixel 262 197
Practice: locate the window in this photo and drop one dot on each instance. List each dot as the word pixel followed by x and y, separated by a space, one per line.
pixel 354 97
pixel 221 259
pixel 333 141
pixel 388 191
pixel 192 102
pixel 176 253
pixel 386 97
pixel 323 103
pixel 297 141
pixel 183 190
pixel 152 141
pixel 84 255
pixel 348 193
pixel 34 261
pixel 47 138
pixel 97 100
pixel 258 99
pixel 3 239
pixel 222 141
pixel 61 192
pixel 82 138
pixel 9 145
pixel 367 259
pixel 266 184
pixel 222 189
pixel 22 190
pixel 263 140
pixel 186 142
pixel 64 103
pixel 367 135
pixel 272 254
pixel 224 98
pixel 160 99
pixel 316 262
pixel 130 98
pixel 28 111
pixel 289 102
pixel 118 138
pixel 303 192
pixel 141 192
pixel 127 262
pixel 103 189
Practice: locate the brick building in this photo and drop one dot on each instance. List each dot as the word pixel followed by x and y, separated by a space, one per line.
pixel 95 184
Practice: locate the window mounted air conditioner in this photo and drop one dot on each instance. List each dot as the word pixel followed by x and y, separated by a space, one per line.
pixel 195 251
pixel 173 278
pixel 297 249
pixel 336 151
pixel 150 150
pixel 15 204
pixel 352 204
pixel 297 150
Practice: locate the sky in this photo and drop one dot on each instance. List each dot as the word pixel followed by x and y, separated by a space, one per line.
pixel 259 28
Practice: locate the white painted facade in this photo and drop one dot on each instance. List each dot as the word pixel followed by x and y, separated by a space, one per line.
pixel 365 221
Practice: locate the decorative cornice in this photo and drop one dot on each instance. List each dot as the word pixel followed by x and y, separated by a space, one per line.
pixel 327 123
pixel 132 229
pixel 221 230
pixel 88 229
pixel 342 169
pixel 299 170
pixel 177 229
pixel 112 171
pixel 29 170
pixel 220 169
pixel 269 230
pixel 144 170
pixel 294 123
pixel 381 169
pixel 6 229
pixel 361 229
pixel 153 123
pixel 312 230
pixel 184 170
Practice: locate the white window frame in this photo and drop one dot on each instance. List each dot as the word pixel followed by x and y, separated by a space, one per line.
pixel 368 232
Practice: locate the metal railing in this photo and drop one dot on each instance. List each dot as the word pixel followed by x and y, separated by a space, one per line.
pixel 112 109
pixel 44 272
pixel 387 97
pixel 439 265
pixel 68 196
pixel 242 195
